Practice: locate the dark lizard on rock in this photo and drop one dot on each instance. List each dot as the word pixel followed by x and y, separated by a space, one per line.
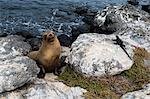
pixel 119 42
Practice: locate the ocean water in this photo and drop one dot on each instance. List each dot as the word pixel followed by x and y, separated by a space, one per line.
pixel 36 16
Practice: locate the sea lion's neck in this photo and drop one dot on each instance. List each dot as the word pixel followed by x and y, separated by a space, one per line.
pixel 46 44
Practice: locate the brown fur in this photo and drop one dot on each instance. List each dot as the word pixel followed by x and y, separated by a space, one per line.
pixel 49 53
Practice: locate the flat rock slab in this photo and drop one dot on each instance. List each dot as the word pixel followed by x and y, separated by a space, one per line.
pixel 140 94
pixel 48 88
pixel 16 69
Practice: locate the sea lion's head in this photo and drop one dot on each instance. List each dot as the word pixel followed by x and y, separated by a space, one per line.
pixel 49 36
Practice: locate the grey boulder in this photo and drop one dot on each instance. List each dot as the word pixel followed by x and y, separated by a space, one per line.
pixel 96 55
pixel 16 69
pixel 127 21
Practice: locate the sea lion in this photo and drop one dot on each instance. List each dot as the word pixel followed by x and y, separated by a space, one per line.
pixel 48 55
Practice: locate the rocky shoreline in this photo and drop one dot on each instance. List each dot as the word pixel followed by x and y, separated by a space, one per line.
pixel 106 49
pixel 19 74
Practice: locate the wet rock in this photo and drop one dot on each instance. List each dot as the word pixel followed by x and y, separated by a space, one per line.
pixel 145 4
pixel 89 17
pixel 48 88
pixel 77 30
pixel 16 69
pixel 96 55
pixel 146 8
pixel 133 2
pixel 26 30
pixel 75 33
pixel 25 34
pixel 60 13
pixel 35 43
pixel 88 20
pixel 3 34
pixel 64 40
pixel 85 28
pixel 140 94
pixel 112 24
pixel 81 10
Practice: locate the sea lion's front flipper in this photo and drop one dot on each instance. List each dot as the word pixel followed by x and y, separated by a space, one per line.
pixel 33 55
pixel 41 74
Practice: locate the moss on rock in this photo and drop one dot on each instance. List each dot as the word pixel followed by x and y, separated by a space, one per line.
pixel 112 87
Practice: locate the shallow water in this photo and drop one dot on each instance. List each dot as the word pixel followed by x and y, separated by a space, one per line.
pixel 36 16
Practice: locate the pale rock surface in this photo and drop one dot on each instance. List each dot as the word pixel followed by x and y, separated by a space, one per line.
pixel 15 68
pixel 140 94
pixel 96 55
pixel 48 88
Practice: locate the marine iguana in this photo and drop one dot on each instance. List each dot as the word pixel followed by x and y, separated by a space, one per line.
pixel 119 42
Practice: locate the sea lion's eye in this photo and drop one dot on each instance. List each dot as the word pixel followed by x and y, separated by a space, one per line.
pixel 44 37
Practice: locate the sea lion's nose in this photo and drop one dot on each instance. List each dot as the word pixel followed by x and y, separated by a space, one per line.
pixel 50 35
